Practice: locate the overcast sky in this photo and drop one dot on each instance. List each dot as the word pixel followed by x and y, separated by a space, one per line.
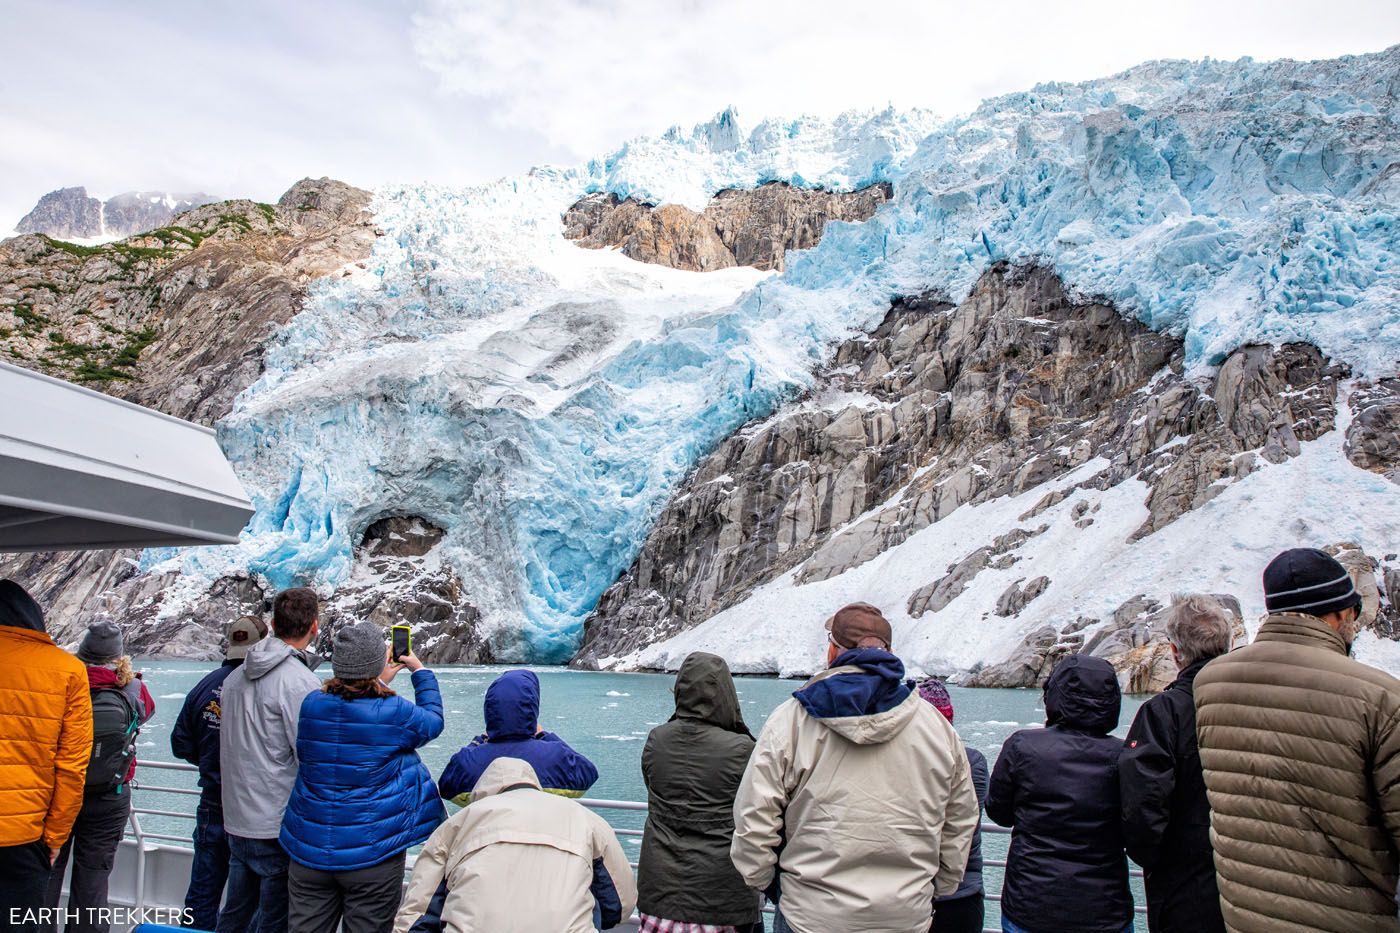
pixel 243 97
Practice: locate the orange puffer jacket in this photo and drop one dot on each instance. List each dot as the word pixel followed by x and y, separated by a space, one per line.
pixel 45 738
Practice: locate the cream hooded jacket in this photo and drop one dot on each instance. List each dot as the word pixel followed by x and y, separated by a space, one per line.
pixel 877 811
pixel 518 858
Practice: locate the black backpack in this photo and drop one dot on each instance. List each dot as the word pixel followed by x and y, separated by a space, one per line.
pixel 114 728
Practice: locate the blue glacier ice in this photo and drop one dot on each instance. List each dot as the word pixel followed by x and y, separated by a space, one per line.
pixel 541 402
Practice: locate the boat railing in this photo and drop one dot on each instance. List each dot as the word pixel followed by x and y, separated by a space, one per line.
pixel 153 842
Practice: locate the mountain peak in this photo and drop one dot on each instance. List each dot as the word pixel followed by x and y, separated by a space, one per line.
pixel 71 213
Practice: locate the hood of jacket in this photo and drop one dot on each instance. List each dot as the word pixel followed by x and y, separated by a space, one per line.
pixel 705 692
pixel 862 696
pixel 505 774
pixel 264 657
pixel 18 609
pixel 99 677
pixel 1082 693
pixel 513 706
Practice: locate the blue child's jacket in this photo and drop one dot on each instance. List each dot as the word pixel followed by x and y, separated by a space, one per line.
pixel 512 716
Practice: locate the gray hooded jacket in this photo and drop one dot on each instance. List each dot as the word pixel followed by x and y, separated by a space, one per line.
pixel 258 736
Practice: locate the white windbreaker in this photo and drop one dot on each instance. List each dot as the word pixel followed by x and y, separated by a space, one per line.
pixel 877 811
pixel 518 858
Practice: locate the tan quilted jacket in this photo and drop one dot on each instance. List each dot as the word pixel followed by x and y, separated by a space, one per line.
pixel 1300 746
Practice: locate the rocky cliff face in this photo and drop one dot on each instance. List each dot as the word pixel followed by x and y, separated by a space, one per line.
pixel 175 319
pixel 942 407
pixel 70 213
pixel 739 227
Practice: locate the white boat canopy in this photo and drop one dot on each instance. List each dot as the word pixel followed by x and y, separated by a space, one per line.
pixel 80 470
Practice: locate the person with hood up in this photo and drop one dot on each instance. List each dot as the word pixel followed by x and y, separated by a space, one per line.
pixel 120 705
pixel 1166 816
pixel 258 761
pixel 858 799
pixel 964 910
pixel 518 859
pixel 1300 747
pixel 513 731
pixel 362 795
pixel 195 739
pixel 692 766
pixel 1057 789
pixel 45 744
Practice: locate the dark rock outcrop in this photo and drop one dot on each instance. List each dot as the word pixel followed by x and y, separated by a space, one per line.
pixel 397 580
pixel 738 228
pixel 70 213
pixel 942 406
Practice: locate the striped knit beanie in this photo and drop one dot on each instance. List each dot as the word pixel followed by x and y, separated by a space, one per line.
pixel 1307 580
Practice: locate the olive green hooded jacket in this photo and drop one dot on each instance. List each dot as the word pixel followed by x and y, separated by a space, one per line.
pixel 1300 746
pixel 692 766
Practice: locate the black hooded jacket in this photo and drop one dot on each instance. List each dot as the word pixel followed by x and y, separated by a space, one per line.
pixel 692 766
pixel 1166 817
pixel 1057 788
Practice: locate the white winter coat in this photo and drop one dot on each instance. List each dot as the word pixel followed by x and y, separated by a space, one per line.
pixel 518 858
pixel 877 810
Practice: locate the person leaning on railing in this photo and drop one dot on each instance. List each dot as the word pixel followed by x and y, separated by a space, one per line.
pixel 362 795
pixel 46 734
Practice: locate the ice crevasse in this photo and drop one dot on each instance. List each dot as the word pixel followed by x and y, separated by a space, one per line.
pixel 541 402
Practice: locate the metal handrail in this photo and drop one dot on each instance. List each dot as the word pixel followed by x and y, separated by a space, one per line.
pixel 592 803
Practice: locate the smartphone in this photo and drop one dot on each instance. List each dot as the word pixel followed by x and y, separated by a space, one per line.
pixel 403 643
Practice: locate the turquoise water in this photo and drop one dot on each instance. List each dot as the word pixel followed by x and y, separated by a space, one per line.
pixel 605 716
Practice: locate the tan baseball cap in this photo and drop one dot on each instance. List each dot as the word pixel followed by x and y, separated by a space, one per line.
pixel 242 635
pixel 859 625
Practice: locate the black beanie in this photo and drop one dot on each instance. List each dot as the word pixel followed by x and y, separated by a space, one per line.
pixel 1305 579
pixel 18 608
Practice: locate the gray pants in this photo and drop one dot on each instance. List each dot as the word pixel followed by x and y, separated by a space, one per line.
pixel 361 901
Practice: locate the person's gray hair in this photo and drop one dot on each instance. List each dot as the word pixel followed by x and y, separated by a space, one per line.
pixel 1200 626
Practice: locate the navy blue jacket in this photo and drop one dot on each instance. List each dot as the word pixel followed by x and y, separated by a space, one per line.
pixel 512 715
pixel 195 737
pixel 972 876
pixel 1057 788
pixel 361 793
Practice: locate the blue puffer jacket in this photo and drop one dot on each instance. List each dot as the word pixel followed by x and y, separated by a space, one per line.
pixel 512 715
pixel 361 793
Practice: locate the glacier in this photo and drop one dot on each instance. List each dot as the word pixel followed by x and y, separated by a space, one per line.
pixel 541 402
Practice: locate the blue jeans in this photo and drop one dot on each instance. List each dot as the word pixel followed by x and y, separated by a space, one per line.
pixel 780 924
pixel 257 885
pixel 1008 927
pixel 210 869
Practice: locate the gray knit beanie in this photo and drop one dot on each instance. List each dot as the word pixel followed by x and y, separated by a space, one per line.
pixel 101 643
pixel 358 652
